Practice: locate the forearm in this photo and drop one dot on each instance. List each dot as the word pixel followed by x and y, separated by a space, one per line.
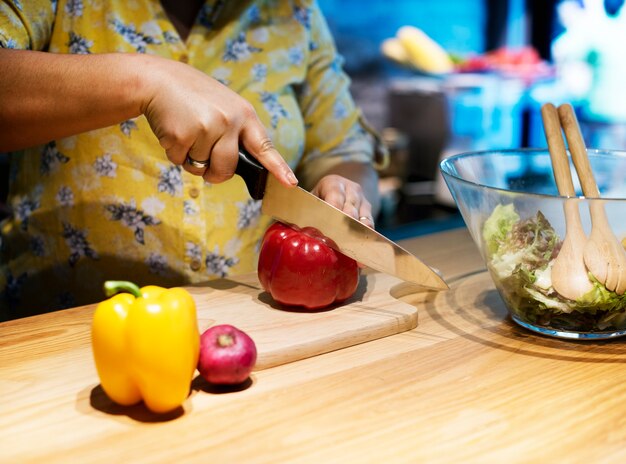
pixel 364 175
pixel 44 96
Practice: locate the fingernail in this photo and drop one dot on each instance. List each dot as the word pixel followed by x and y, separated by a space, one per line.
pixel 291 177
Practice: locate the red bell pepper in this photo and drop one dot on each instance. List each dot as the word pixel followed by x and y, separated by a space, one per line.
pixel 298 267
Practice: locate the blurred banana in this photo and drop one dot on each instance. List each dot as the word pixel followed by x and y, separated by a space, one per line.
pixel 421 51
pixel 394 50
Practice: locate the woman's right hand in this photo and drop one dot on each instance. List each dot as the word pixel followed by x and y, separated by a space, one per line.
pixel 194 115
pixel 190 113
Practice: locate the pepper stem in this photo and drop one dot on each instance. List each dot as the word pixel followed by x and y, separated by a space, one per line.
pixel 225 340
pixel 111 287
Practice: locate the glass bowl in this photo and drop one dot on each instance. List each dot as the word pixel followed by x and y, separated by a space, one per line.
pixel 511 206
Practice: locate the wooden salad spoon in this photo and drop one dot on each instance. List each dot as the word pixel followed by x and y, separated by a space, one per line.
pixel 570 277
pixel 604 255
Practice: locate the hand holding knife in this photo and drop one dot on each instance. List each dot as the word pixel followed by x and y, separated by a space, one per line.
pixel 297 206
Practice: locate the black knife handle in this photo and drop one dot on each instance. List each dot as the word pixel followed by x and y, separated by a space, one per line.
pixel 252 173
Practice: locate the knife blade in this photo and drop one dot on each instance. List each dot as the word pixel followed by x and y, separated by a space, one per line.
pixel 301 208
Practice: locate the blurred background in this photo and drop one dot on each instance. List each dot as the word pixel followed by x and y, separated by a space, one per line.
pixel 437 78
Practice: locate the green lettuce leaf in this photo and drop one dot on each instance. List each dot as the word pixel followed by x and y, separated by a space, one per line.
pixel 520 254
pixel 498 225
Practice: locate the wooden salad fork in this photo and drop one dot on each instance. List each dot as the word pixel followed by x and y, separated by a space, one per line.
pixel 570 277
pixel 603 254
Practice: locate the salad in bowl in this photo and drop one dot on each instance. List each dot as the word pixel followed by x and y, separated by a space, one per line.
pixel 510 203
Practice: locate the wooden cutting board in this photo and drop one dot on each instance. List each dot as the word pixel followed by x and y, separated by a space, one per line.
pixel 283 335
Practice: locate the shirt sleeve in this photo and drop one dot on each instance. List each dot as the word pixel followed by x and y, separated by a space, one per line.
pixel 26 25
pixel 336 132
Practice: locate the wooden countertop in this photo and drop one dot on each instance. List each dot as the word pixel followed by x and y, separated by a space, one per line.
pixel 466 385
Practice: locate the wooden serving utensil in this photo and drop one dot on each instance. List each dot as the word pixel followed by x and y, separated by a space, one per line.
pixel 604 255
pixel 569 274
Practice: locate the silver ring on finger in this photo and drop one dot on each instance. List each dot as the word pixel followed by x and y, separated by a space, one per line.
pixel 197 164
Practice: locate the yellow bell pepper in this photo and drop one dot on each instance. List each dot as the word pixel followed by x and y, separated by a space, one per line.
pixel 146 345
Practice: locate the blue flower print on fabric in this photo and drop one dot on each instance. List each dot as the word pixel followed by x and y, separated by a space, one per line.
pixel 76 240
pixel 190 208
pixel 105 166
pixel 38 246
pixel 171 180
pixel 238 49
pixel 170 37
pixel 295 55
pixel 209 13
pixel 249 213
pixel 132 217
pixel 11 43
pixel 157 264
pixel 74 8
pixel 135 38
pixel 273 107
pixel 51 157
pixel 65 196
pixel 193 251
pixel 259 72
pixel 254 14
pixel 127 126
pixel 79 45
pixel 303 15
pixel 219 265
pixel 24 209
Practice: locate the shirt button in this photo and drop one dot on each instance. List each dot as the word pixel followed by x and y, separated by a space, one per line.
pixel 195 265
pixel 184 59
pixel 194 192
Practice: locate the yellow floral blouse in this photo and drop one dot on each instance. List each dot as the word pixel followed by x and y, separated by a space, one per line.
pixel 108 204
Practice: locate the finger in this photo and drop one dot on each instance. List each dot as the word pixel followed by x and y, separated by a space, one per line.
pixel 365 217
pixel 256 141
pixel 224 157
pixel 367 220
pixel 354 198
pixel 365 214
pixel 175 151
pixel 333 193
pixel 198 154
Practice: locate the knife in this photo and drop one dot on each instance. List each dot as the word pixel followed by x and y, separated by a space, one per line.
pixel 354 239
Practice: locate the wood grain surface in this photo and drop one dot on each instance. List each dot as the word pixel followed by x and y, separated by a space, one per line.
pixel 285 335
pixel 465 385
pixel 281 334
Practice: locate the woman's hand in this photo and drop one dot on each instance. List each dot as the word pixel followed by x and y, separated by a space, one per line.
pixel 190 113
pixel 345 195
pixel 196 117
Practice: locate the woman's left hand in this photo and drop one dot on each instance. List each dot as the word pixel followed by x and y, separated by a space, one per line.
pixel 346 195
